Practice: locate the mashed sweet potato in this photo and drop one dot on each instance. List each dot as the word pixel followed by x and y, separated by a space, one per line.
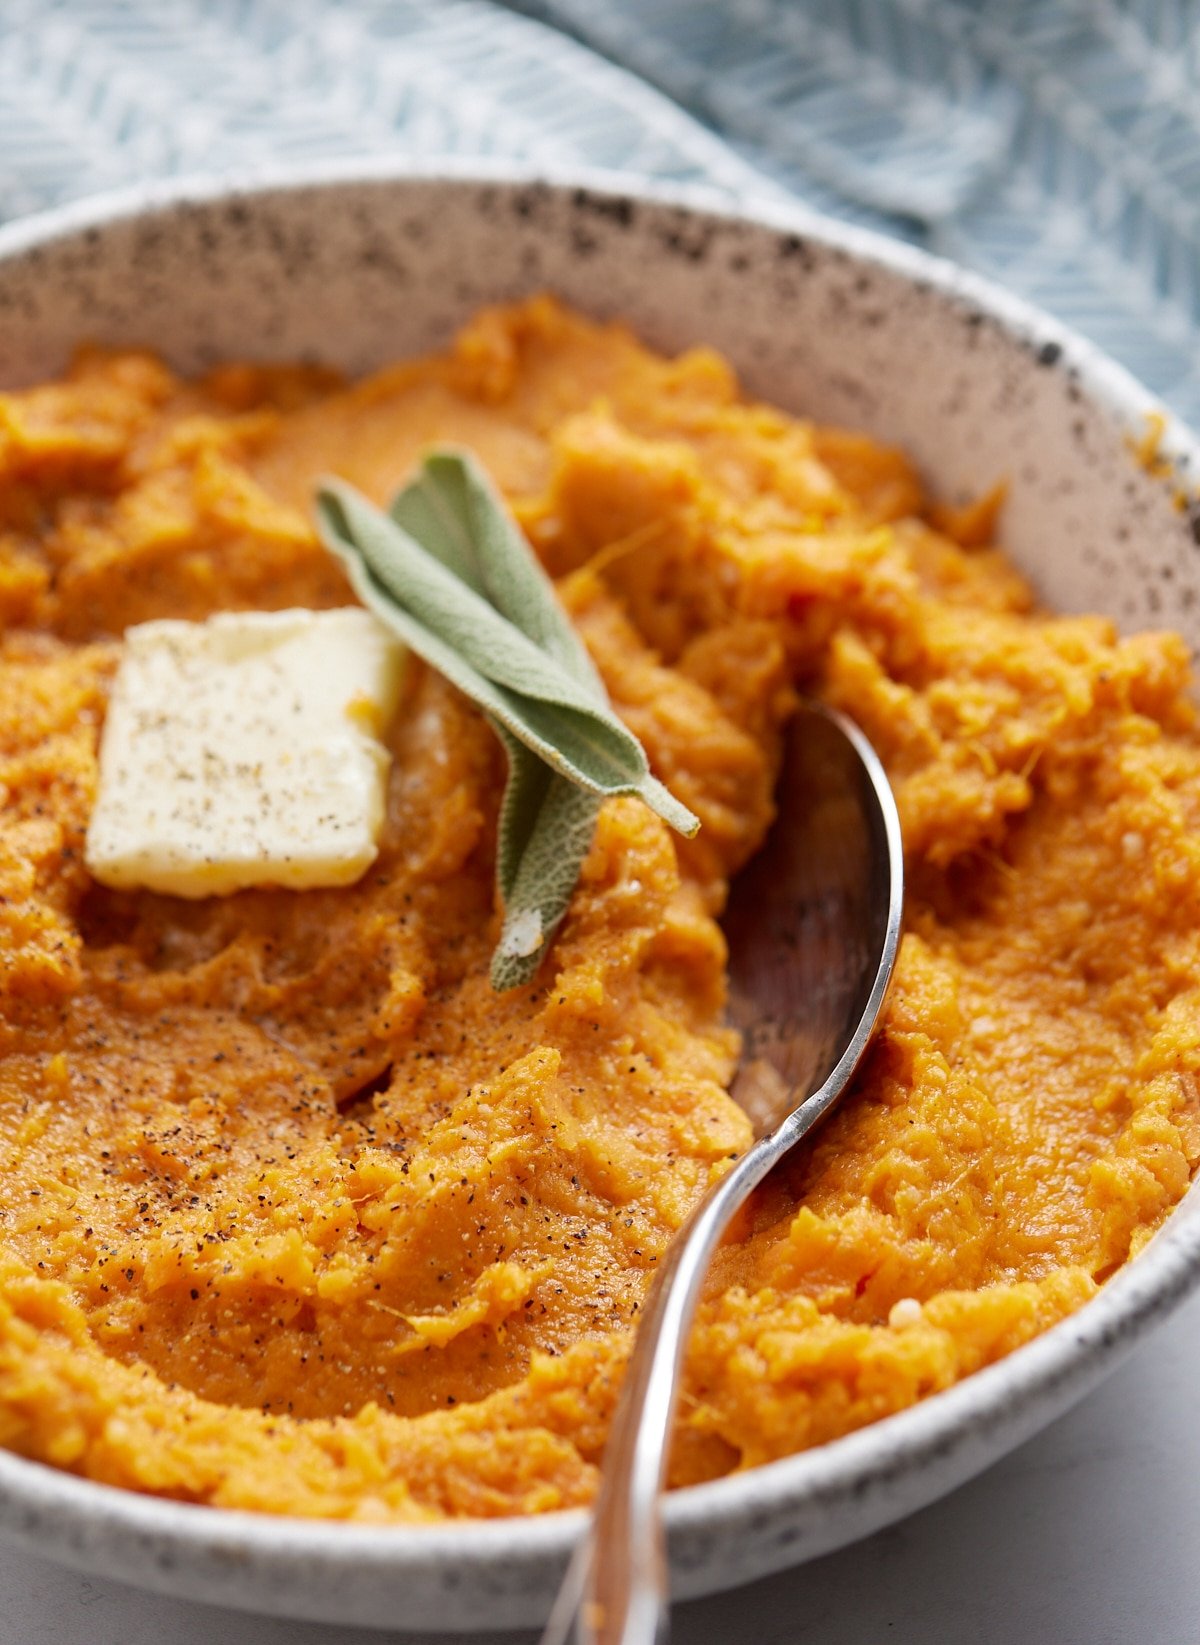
pixel 297 1215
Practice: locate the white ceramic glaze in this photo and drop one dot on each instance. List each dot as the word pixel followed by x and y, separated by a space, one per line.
pixel 361 264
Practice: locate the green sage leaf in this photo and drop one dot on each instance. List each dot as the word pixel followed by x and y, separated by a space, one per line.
pixel 545 832
pixel 546 821
pixel 455 513
pixel 450 572
pixel 488 658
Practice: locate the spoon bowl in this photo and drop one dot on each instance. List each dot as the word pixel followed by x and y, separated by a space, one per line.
pixel 814 917
pixel 813 928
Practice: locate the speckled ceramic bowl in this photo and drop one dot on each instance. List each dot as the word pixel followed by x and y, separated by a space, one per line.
pixel 361 265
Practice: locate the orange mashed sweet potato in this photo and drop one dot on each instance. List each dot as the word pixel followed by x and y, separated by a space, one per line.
pixel 299 1216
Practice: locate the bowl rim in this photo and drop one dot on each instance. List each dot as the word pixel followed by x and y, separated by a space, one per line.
pixel 1112 385
pixel 1071 1354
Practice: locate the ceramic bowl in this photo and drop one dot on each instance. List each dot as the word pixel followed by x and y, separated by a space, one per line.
pixel 360 265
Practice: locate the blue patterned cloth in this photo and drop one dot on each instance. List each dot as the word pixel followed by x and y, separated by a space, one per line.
pixel 1052 144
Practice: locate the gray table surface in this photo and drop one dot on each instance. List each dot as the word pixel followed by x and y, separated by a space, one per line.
pixel 1088 1535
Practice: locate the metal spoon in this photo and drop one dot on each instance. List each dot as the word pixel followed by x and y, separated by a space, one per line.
pixel 813 926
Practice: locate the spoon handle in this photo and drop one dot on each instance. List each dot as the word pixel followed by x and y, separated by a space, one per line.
pixel 616 1588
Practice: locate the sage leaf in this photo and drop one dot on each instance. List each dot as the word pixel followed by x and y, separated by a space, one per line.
pixel 546 821
pixel 487 657
pixel 455 513
pixel 450 608
pixel 450 572
pixel 545 832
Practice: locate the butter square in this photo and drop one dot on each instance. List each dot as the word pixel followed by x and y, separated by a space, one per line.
pixel 246 750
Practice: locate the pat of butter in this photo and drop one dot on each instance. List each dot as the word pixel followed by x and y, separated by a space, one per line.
pixel 246 751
